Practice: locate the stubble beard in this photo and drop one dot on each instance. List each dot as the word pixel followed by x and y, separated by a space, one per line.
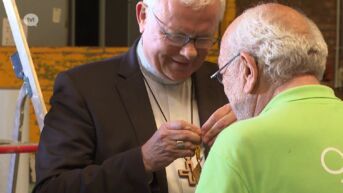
pixel 243 108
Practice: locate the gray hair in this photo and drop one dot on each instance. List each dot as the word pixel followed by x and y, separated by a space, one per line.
pixel 281 51
pixel 194 4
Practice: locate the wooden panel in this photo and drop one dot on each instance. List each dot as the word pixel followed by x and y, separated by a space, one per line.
pixel 50 61
pixel 229 16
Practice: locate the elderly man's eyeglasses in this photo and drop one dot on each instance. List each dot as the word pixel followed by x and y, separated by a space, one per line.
pixel 181 40
pixel 218 73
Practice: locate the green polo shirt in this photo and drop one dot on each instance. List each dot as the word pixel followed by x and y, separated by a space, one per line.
pixel 295 145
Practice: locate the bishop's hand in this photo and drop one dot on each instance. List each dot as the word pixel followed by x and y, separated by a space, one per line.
pixel 172 140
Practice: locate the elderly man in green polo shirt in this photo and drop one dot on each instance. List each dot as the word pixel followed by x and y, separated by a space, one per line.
pixel 289 137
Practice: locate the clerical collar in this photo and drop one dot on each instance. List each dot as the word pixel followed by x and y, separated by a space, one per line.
pixel 150 70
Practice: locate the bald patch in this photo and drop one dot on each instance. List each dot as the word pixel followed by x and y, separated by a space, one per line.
pixel 285 17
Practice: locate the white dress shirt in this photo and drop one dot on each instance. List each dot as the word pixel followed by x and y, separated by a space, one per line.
pixel 175 101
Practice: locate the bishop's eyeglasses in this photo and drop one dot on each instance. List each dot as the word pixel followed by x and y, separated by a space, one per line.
pixel 181 40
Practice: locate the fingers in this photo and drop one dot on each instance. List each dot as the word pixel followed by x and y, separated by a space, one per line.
pixel 217 115
pixel 185 145
pixel 185 135
pixel 182 125
pixel 187 149
pixel 185 153
pixel 219 120
pixel 172 140
pixel 181 131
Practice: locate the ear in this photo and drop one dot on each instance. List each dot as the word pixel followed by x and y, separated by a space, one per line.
pixel 141 15
pixel 250 72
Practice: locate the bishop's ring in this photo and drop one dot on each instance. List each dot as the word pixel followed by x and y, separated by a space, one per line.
pixel 180 144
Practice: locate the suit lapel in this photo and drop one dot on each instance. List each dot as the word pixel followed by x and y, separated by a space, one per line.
pixel 130 85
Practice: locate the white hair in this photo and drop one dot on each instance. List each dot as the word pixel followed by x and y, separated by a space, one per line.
pixel 281 51
pixel 194 4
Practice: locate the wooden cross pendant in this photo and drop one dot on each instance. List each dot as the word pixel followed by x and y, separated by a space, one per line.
pixel 188 172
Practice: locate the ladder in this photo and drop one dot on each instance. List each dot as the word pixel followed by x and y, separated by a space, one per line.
pixel 24 70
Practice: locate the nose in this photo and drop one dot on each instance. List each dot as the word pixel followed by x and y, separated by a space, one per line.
pixel 189 51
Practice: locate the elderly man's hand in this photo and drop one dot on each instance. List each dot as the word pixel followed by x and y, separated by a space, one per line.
pixel 172 140
pixel 219 120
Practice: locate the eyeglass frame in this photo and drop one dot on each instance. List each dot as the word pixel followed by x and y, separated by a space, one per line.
pixel 219 75
pixel 186 38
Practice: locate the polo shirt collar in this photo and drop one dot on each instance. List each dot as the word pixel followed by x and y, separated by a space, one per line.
pixel 301 93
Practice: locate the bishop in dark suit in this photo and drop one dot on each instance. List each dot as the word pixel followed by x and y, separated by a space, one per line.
pixel 141 121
